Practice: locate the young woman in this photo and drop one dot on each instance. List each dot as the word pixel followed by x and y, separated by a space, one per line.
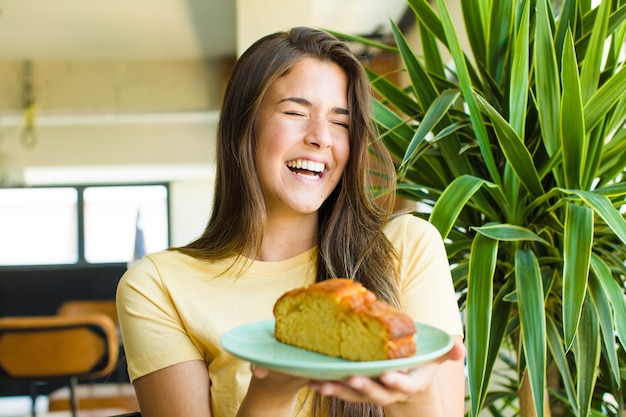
pixel 293 205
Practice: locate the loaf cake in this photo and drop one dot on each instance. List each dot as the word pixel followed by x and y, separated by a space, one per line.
pixel 341 318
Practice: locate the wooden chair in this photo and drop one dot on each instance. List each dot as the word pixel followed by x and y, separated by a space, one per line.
pixel 73 307
pixel 94 396
pixel 120 394
pixel 57 348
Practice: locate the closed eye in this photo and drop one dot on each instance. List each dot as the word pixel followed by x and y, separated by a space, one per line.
pixel 293 113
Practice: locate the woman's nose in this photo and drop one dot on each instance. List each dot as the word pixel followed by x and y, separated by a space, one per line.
pixel 319 134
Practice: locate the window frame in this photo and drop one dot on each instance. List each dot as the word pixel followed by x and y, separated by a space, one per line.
pixel 80 218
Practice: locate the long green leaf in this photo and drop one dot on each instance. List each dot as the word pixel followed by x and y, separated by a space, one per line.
pixel 390 121
pixel 394 95
pixel 482 265
pixel 501 310
pixel 617 190
pixel 607 324
pixel 427 16
pixel 571 119
pixel 604 99
pixel 613 158
pixel 603 207
pixel 518 91
pixel 433 115
pixel 555 343
pixel 618 116
pixel 587 358
pixel 500 27
pixel 518 101
pixel 362 40
pixel 532 322
pixel 426 92
pixel 432 56
pixel 422 85
pixel 514 149
pixel 568 20
pixel 466 87
pixel 509 232
pixel 595 142
pixel 547 79
pixel 618 39
pixel 452 201
pixel 449 130
pixel 475 26
pixel 615 21
pixel 615 294
pixel 576 257
pixel 592 64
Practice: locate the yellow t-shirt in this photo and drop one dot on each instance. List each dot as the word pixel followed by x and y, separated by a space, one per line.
pixel 175 308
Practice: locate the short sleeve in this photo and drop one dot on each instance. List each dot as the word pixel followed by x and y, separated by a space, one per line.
pixel 152 332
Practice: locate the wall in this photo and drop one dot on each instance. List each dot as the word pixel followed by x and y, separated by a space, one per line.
pixel 116 122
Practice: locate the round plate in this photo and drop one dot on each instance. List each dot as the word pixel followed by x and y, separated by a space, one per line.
pixel 255 343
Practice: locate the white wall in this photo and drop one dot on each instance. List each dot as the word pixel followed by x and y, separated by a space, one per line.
pixel 99 122
pixel 190 208
pixel 178 150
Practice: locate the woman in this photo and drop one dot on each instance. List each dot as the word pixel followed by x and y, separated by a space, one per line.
pixel 293 205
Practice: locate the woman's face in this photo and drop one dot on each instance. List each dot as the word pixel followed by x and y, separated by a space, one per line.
pixel 302 137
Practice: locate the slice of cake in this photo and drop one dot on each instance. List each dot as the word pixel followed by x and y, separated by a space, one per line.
pixel 339 317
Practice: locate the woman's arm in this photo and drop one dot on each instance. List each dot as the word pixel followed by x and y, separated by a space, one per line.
pixel 178 390
pixel 183 390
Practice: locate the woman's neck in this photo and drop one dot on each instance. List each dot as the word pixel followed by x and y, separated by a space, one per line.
pixel 285 238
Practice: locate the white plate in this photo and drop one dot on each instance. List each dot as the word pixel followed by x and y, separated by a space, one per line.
pixel 256 344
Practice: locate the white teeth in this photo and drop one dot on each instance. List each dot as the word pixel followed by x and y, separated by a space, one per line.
pixel 305 164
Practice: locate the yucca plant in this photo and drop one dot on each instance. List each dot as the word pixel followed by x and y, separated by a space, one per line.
pixel 519 148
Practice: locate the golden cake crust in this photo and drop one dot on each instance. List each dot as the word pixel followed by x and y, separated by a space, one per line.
pixel 340 317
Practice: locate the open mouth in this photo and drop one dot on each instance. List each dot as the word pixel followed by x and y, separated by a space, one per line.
pixel 309 169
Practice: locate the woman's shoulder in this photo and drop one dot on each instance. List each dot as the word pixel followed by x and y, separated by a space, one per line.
pixel 155 264
pixel 409 224
pixel 164 258
pixel 167 255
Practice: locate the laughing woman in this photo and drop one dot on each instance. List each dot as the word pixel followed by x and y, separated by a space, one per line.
pixel 293 205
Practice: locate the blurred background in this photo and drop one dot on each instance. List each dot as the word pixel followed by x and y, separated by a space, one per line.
pixel 108 112
pixel 120 92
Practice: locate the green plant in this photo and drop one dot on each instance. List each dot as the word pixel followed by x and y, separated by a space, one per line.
pixel 519 149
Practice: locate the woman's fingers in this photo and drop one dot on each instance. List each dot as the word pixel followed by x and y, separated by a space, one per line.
pixel 457 352
pixel 420 377
pixel 277 380
pixel 359 389
pixel 258 371
pixel 391 387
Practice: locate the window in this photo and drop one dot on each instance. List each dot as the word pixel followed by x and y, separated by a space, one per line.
pixel 38 226
pixel 113 215
pixel 69 225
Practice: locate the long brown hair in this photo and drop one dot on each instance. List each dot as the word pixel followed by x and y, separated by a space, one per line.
pixel 351 242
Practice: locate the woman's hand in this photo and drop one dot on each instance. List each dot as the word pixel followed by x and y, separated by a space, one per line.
pixel 277 381
pixel 271 393
pixel 404 392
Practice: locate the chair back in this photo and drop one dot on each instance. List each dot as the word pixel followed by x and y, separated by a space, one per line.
pixel 106 307
pixel 42 348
